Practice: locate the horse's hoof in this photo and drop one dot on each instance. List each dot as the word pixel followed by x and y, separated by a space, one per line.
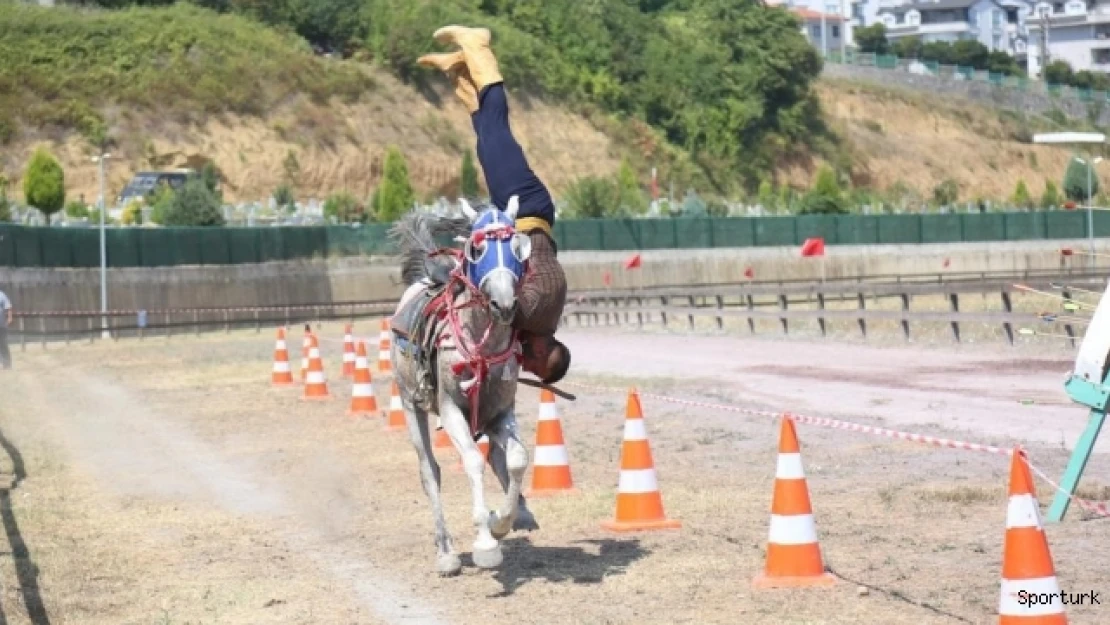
pixel 525 521
pixel 448 565
pixel 487 558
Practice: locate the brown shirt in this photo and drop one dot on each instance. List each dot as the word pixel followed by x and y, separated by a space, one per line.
pixel 544 292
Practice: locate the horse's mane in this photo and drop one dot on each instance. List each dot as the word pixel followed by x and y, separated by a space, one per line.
pixel 416 233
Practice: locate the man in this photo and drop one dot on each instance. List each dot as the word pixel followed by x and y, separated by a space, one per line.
pixel 5 321
pixel 478 83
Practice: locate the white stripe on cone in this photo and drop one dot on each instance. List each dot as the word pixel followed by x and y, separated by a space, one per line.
pixel 362 390
pixel 548 412
pixel 634 430
pixel 1022 512
pixel 789 467
pixel 1017 595
pixel 280 344
pixel 315 377
pixel 281 366
pixel 360 363
pixel 795 529
pixel 551 456
pixel 638 481
pixel 395 403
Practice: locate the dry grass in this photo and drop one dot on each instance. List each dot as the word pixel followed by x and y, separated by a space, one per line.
pixel 922 528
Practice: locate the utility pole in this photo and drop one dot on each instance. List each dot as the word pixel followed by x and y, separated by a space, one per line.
pixel 1044 43
pixel 103 250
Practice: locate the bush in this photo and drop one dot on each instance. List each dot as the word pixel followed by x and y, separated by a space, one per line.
pixel 283 197
pixel 631 199
pixel 76 209
pixel 1021 197
pixel 44 184
pixel 826 184
pixel 468 179
pixel 814 203
pixel 160 201
pixel 946 193
pixel 592 197
pixel 395 195
pixel 194 204
pixel 1076 178
pixel 132 214
pixel 345 208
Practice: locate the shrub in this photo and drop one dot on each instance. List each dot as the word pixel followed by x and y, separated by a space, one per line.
pixel 194 204
pixel 345 208
pixel 395 195
pixel 283 197
pixel 1075 180
pixel 468 179
pixel 946 192
pixel 1051 197
pixel 592 197
pixel 76 209
pixel 44 185
pixel 132 214
pixel 1021 198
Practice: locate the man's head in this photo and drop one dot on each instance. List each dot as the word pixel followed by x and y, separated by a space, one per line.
pixel 546 358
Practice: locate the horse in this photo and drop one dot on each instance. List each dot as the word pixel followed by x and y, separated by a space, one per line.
pixel 454 324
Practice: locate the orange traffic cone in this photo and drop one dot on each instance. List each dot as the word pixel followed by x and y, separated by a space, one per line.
pixel 639 502
pixel 1027 569
pixel 551 473
pixel 282 374
pixel 384 361
pixel 793 554
pixel 348 353
pixel 363 401
pixel 396 420
pixel 306 345
pixel 316 383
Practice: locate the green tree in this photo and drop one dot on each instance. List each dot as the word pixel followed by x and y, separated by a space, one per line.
pixel 1051 197
pixel 44 184
pixel 194 204
pixel 826 184
pixel 631 199
pixel 1076 178
pixel 1057 72
pixel 468 179
pixel 76 209
pixel 395 194
pixel 592 197
pixel 766 195
pixel 345 208
pixel 5 205
pixel 283 197
pixel 946 192
pixel 1021 197
pixel 872 39
pixel 160 201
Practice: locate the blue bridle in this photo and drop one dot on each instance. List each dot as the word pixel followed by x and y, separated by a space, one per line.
pixel 494 246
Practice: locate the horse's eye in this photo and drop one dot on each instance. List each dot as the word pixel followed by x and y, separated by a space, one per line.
pixel 475 251
pixel 522 247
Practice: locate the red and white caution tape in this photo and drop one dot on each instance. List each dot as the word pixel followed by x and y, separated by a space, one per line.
pixel 1101 509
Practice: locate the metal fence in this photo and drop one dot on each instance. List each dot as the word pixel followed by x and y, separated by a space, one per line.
pixel 961 72
pixel 23 246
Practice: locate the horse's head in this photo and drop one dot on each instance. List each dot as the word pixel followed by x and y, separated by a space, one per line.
pixel 495 256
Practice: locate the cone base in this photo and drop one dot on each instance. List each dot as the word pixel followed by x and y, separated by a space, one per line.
pixel 763 581
pixel 637 526
pixel 285 383
pixel 362 413
pixel 315 397
pixel 540 493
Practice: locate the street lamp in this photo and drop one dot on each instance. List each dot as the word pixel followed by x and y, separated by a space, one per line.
pixel 1080 137
pixel 99 160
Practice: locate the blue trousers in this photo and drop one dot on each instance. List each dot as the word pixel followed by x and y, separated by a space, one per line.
pixel 507 171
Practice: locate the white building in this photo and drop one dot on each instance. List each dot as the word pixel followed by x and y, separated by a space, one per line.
pixel 1077 32
pixel 837 25
pixel 1000 25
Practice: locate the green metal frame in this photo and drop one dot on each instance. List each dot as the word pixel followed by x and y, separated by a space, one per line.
pixel 1096 397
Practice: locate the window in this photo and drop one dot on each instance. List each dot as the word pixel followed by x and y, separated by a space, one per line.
pixel 1101 56
pixel 835 31
pixel 815 31
pixel 857 11
pixel 1011 16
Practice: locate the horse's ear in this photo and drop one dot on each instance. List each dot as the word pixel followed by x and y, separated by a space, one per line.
pixel 512 208
pixel 467 210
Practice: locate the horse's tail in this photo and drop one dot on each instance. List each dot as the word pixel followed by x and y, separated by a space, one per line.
pixel 415 233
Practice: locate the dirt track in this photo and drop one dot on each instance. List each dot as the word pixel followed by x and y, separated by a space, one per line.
pixel 167 483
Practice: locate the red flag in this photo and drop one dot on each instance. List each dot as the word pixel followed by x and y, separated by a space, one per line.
pixel 946 263
pixel 1066 251
pixel 813 247
pixel 632 263
pixel 607 278
pixel 748 273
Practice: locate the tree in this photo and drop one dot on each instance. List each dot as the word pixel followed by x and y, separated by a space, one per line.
pixel 1021 197
pixel 1057 72
pixel 5 205
pixel 468 179
pixel 826 183
pixel 946 193
pixel 1075 180
pixel 766 195
pixel 1051 197
pixel 44 185
pixel 873 39
pixel 132 214
pixel 160 201
pixel 194 204
pixel 76 209
pixel 395 195
pixel 345 208
pixel 630 197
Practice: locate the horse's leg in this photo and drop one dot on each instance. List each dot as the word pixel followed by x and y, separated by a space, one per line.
pixel 486 550
pixel 504 435
pixel 447 561
pixel 525 520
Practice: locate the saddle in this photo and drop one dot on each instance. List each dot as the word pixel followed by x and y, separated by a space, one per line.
pixel 415 330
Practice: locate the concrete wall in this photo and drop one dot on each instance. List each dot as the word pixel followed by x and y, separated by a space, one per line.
pixel 369 279
pixel 1029 102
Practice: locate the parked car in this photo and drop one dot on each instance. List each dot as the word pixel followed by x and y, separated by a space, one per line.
pixel 145 182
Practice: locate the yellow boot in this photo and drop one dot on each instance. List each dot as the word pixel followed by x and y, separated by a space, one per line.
pixel 454 65
pixel 475 46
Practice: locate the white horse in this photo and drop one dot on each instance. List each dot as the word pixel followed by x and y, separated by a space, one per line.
pixel 466 343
